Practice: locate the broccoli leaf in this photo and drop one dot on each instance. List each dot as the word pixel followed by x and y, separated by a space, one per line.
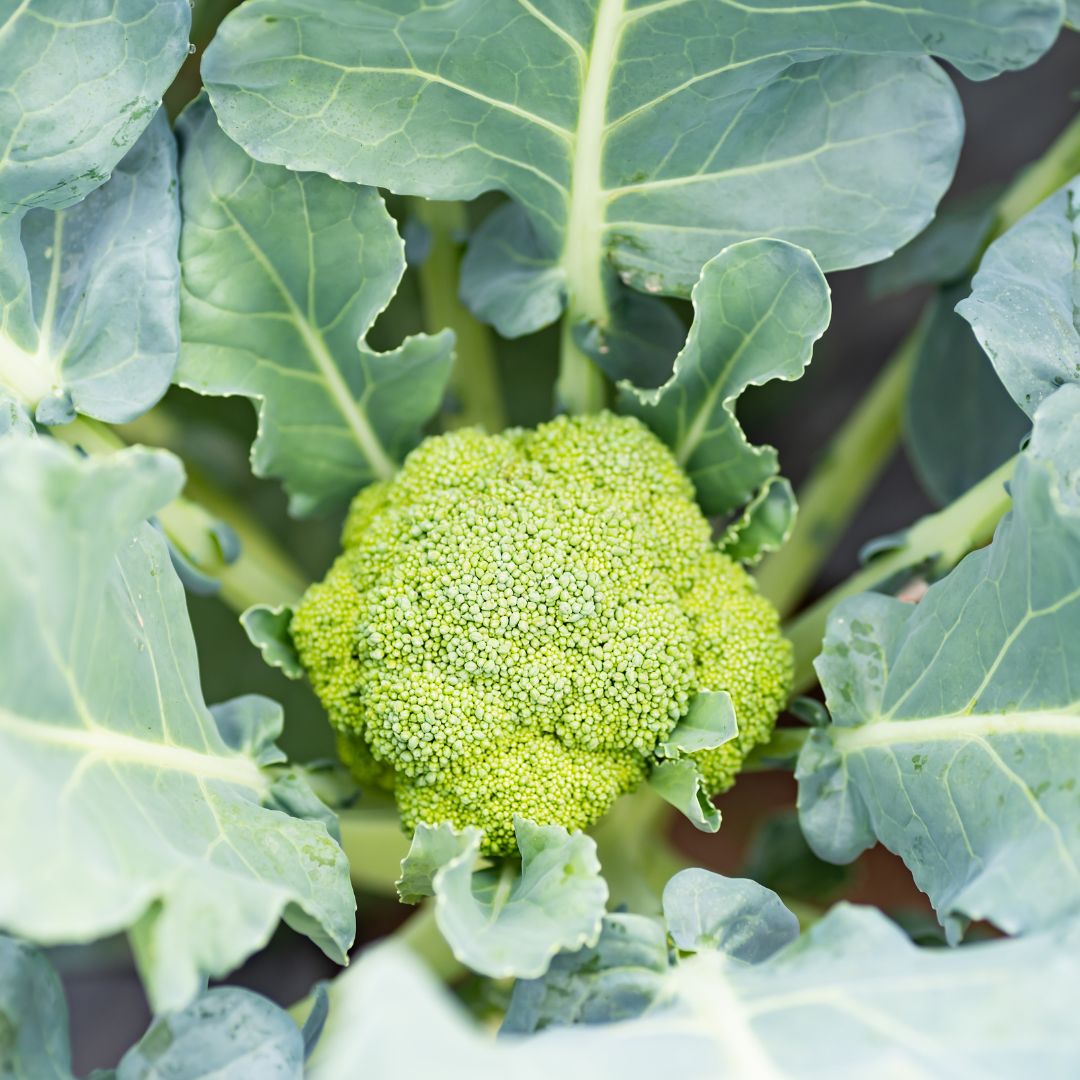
pixel 267 628
pixel 34 1042
pixel 78 84
pixel 740 918
pixel 283 275
pixel 135 811
pixel 500 923
pixel 227 1033
pixel 708 723
pixel 955 735
pixel 618 978
pixel 764 525
pixel 636 139
pixel 679 782
pixel 853 992
pixel 1025 297
pixel 955 439
pixel 759 307
pixel 89 302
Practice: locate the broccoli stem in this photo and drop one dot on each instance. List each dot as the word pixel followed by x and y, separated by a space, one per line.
pixel 938 541
pixel 475 379
pixel 581 387
pixel 261 574
pixel 848 470
pixel 861 448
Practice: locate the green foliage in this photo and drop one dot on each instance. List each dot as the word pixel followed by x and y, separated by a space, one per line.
pixel 457 641
pixel 128 795
pixel 89 310
pixel 534 642
pixel 631 156
pixel 284 274
pixel 954 739
pixel 77 88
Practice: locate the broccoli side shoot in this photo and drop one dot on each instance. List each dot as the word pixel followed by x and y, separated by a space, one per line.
pixel 516 621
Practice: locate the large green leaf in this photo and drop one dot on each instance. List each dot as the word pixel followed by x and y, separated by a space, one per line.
pixel 504 921
pixel 127 807
pixel 89 296
pixel 283 275
pixel 853 998
pixel 34 1043
pixel 637 138
pixel 78 83
pixel 1025 301
pixel 759 306
pixel 954 438
pixel 955 735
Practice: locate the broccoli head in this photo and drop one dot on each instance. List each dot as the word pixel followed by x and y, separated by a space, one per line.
pixel 518 620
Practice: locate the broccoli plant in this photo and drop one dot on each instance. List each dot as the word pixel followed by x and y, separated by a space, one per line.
pixel 498 588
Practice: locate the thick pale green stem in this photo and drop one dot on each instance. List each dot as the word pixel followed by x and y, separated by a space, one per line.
pixel 841 482
pixel 262 574
pixel 475 380
pixel 374 843
pixel 581 387
pixel 422 935
pixel 848 470
pixel 940 540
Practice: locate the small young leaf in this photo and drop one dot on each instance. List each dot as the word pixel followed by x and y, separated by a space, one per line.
pixel 89 295
pixel 764 525
pixel 1024 300
pixel 284 274
pixel 955 739
pixel 759 307
pixel 737 916
pixel 229 1033
pixel 135 811
pixel 619 978
pixel 680 783
pixel 267 629
pixel 78 84
pixel 501 925
pixel 709 722
pixel 432 847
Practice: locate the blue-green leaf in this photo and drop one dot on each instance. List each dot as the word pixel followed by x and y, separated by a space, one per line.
pixel 283 275
pixel 34 1043
pixel 432 847
pixel 1025 297
pixel 78 84
pixel 135 810
pixel 758 309
pixel 226 1034
pixel 955 439
pixel 738 917
pixel 853 993
pixel 822 124
pixel 955 739
pixel 621 977
pixel 89 295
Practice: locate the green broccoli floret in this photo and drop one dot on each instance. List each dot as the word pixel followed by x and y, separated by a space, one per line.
pixel 518 620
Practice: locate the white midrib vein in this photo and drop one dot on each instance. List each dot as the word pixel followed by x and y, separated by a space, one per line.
pixel 114 747
pixel 883 733
pixel 340 394
pixel 32 377
pixel 583 255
